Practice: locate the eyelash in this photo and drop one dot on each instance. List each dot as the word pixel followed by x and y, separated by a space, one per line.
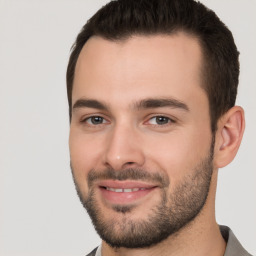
pixel 85 120
pixel 169 120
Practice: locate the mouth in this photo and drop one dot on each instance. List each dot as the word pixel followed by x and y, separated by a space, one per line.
pixel 124 192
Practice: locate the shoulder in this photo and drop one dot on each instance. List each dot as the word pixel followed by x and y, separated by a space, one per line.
pixel 234 248
pixel 92 253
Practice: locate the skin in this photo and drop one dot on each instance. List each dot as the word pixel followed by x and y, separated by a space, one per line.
pixel 121 74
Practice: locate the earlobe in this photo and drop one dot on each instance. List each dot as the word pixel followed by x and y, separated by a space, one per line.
pixel 228 136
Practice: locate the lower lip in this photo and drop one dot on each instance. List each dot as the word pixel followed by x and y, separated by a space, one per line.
pixel 124 197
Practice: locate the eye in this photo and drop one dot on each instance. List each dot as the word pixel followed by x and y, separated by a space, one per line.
pixel 95 120
pixel 160 120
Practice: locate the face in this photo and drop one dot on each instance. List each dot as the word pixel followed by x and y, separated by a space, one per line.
pixel 140 138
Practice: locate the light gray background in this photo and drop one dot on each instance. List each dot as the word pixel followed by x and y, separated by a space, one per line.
pixel 40 213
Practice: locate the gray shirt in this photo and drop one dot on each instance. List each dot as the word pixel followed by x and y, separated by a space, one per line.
pixel 234 248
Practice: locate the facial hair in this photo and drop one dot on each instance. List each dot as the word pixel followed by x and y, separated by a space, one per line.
pixel 173 212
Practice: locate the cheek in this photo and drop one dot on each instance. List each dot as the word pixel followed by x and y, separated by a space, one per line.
pixel 84 154
pixel 178 152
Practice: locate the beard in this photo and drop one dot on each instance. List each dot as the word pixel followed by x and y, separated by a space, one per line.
pixel 172 212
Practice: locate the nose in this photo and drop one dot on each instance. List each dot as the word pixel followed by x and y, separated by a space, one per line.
pixel 124 149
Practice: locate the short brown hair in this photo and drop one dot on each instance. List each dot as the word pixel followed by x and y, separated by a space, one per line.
pixel 120 19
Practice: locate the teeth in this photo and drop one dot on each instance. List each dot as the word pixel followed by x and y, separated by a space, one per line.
pixel 118 190
pixel 125 190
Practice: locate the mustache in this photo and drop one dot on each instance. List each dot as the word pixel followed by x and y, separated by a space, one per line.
pixel 128 174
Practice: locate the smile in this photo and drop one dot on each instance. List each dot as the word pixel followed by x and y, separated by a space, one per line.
pixel 124 190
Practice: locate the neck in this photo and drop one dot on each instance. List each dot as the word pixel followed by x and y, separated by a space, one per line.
pixel 200 237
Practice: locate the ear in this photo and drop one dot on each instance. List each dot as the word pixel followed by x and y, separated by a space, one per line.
pixel 228 136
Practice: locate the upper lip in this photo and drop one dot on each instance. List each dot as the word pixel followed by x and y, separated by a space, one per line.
pixel 125 184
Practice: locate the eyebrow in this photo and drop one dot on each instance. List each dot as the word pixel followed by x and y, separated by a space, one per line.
pixel 142 104
pixel 89 103
pixel 159 103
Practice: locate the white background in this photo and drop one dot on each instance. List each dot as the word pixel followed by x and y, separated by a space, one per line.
pixel 40 213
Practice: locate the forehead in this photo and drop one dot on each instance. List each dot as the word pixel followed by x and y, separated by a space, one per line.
pixel 141 66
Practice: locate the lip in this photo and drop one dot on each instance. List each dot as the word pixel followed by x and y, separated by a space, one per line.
pixel 115 192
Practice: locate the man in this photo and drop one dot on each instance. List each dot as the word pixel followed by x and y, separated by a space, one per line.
pixel 151 88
